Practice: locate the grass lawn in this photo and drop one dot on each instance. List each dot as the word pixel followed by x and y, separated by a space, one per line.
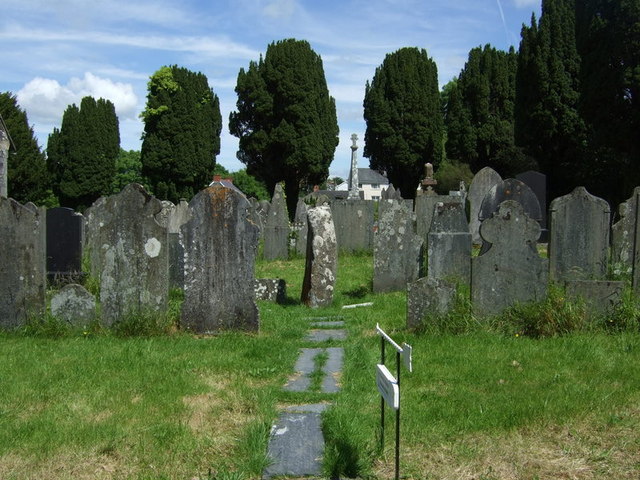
pixel 479 405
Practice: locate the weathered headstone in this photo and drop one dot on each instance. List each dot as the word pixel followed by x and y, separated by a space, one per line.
pixel 322 259
pixel 397 257
pixel 537 182
pixel 91 232
pixel 300 227
pixel 65 237
pixel 449 244
pixel 74 304
pixel 353 220
pixel 172 217
pixel 132 249
pixel 579 237
pixel 623 232
pixel 425 205
pixel 428 296
pixel 511 271
pixel 22 263
pixel 220 248
pixel 276 231
pixel 271 289
pixel 482 182
pixel 600 296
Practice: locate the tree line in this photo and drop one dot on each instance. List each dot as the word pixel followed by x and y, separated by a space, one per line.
pixel 565 103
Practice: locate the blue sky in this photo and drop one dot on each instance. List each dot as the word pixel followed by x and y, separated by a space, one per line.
pixel 56 52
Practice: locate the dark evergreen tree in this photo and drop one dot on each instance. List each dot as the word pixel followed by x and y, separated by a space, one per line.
pixel 27 174
pixel 81 154
pixel 404 118
pixel 547 123
pixel 182 125
pixel 285 119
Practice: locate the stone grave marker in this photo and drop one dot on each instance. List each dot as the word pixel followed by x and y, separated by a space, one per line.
pixel 511 270
pixel 601 297
pixel 91 233
pixel 271 289
pixel 537 182
pixel 622 234
pixel 300 227
pixel 428 296
pixel 482 182
pixel 172 217
pixel 74 304
pixel 65 237
pixel 579 237
pixel 276 231
pixel 22 263
pixel 353 220
pixel 425 205
pixel 449 246
pixel 220 249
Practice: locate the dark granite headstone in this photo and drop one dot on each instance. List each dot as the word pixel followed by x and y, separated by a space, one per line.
pixel 537 182
pixel 65 233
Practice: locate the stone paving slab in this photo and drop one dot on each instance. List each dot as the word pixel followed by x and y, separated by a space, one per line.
pixel 296 444
pixel 332 369
pixel 304 367
pixel 323 335
pixel 334 324
pixel 327 318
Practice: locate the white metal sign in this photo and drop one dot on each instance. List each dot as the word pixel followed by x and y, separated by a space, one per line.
pixel 387 386
pixel 406 356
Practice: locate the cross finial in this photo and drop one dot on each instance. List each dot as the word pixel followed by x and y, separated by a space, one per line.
pixel 354 138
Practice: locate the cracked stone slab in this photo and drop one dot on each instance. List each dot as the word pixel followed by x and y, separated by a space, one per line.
pixel 327 334
pixel 296 444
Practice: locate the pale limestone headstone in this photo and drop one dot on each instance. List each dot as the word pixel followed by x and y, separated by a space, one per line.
pixel 449 246
pixel 579 237
pixel 397 255
pixel 482 182
pixel 220 250
pixel 276 231
pixel 132 250
pixel 322 259
pixel 428 296
pixel 511 271
pixel 22 263
pixel 74 304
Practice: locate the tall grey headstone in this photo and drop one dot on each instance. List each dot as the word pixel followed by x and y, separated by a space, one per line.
pixel 425 205
pixel 397 250
pixel 353 220
pixel 132 249
pixel 623 233
pixel 172 217
pixel 300 226
pixel 91 236
pixel 482 182
pixel 511 271
pixel 579 237
pixel 220 249
pixel 22 263
pixel 276 231
pixel 322 259
pixel 449 246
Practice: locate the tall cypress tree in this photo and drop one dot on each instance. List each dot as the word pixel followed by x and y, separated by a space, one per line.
pixel 404 118
pixel 81 155
pixel 285 119
pixel 27 174
pixel 181 133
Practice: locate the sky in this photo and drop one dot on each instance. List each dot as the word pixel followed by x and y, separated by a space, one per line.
pixel 56 52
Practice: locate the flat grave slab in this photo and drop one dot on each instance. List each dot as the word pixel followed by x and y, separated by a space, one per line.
pixel 317 335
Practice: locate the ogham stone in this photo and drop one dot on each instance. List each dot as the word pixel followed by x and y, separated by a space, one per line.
pixel 300 228
pixel 220 245
pixel 22 263
pixel 276 230
pixel 511 270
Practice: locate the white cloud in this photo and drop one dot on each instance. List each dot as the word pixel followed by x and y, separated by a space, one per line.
pixel 280 9
pixel 46 99
pixel 527 3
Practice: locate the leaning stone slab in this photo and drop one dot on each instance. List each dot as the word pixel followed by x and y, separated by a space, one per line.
pixel 511 271
pixel 271 289
pixel 322 259
pixel 482 182
pixel 276 230
pixel 22 262
pixel 75 305
pixel 601 297
pixel 428 296
pixel 220 248
pixel 579 237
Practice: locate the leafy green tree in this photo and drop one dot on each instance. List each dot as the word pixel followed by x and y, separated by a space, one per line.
pixel 285 119
pixel 81 154
pixel 404 118
pixel 182 125
pixel 27 172
pixel 547 123
pixel 128 170
pixel 250 185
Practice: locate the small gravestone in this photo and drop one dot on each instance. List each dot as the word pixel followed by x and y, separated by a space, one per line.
pixel 425 205
pixel 271 289
pixel 220 247
pixel 22 263
pixel 276 230
pixel 449 247
pixel 65 232
pixel 600 296
pixel 322 259
pixel 579 237
pixel 353 220
pixel 511 270
pixel 428 296
pixel 537 182
pixel 172 217
pixel 482 182
pixel 622 234
pixel 132 249
pixel 397 254
pixel 300 228
pixel 92 226
pixel 74 305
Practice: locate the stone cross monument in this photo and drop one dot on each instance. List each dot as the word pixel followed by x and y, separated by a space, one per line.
pixel 354 192
pixel 5 143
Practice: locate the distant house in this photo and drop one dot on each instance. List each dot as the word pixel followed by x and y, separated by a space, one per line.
pixel 370 184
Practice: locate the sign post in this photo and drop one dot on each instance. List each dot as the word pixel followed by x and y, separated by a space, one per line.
pixel 389 387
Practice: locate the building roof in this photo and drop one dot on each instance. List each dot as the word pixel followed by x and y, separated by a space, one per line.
pixel 370 177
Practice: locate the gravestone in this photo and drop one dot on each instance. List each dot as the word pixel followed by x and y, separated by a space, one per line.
pixel 74 305
pixel 300 227
pixel 511 270
pixel 482 182
pixel 601 297
pixel 65 236
pixel 353 220
pixel 537 182
pixel 132 249
pixel 579 237
pixel 220 248
pixel 22 263
pixel 425 205
pixel 271 289
pixel 397 256
pixel 172 217
pixel 276 230
pixel 622 234
pixel 449 245
pixel 322 259
pixel 91 231
pixel 428 296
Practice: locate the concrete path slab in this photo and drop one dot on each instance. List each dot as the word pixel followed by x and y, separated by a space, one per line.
pixel 318 335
